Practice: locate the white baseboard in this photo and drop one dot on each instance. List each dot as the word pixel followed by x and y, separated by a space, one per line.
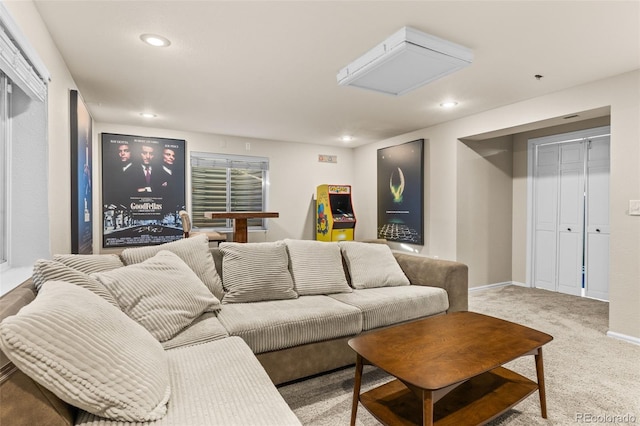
pixel 503 284
pixel 620 336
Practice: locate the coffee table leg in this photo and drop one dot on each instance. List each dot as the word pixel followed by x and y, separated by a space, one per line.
pixel 541 390
pixel 427 408
pixel 356 389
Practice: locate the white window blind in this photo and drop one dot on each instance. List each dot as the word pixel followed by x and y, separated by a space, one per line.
pixel 221 183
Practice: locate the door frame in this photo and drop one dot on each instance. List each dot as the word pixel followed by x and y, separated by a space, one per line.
pixel 532 143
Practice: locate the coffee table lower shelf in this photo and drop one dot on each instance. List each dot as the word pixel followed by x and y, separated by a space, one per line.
pixel 474 402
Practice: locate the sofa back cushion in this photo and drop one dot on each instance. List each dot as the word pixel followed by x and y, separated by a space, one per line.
pixel 162 294
pixel 316 267
pixel 372 265
pixel 51 270
pixel 193 251
pixel 255 272
pixel 90 263
pixel 73 343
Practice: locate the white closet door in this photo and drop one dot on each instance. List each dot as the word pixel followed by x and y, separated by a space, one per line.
pixel 570 216
pixel 570 227
pixel 546 217
pixel 597 219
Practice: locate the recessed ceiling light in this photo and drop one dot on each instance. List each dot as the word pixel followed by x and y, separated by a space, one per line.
pixel 448 104
pixel 155 40
pixel 346 138
pixel 148 115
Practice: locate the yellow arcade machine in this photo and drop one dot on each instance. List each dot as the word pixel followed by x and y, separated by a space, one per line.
pixel 335 220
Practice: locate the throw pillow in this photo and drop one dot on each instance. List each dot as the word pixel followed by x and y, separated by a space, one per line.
pixel 162 294
pixel 90 263
pixel 88 353
pixel 195 253
pixel 316 267
pixel 47 270
pixel 372 265
pixel 253 272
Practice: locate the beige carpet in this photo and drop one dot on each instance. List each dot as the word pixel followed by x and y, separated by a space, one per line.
pixel 590 378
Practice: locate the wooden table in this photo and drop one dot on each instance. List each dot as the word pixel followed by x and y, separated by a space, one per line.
pixel 448 370
pixel 240 221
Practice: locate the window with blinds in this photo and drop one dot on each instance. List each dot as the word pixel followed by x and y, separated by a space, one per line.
pixel 221 183
pixel 24 236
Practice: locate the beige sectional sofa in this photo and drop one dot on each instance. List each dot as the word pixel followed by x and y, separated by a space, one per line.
pixel 182 334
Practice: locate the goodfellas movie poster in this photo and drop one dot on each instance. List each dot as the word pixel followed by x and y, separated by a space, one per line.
pixel 143 190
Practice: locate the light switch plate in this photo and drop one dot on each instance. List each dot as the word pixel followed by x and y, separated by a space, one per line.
pixel 634 207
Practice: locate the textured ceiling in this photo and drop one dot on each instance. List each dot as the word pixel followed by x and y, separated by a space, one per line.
pixel 267 69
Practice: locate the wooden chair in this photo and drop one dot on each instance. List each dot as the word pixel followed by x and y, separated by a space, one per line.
pixel 186 229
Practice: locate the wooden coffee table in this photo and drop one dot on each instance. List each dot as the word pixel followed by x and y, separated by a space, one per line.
pixel 448 370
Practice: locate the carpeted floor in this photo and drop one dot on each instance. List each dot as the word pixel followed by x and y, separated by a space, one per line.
pixel 590 378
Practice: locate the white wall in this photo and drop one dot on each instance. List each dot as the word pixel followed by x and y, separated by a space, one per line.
pixel 620 93
pixel 294 174
pixel 485 182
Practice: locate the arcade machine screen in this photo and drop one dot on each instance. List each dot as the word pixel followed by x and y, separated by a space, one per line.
pixel 341 210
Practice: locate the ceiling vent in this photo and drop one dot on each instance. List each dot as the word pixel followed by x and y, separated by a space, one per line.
pixel 405 61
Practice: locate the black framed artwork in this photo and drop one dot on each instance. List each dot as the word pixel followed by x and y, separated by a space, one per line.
pixel 81 169
pixel 401 192
pixel 143 190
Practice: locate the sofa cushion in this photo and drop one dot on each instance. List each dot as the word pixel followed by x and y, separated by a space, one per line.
pixel 205 328
pixel 384 306
pixel 162 294
pixel 73 342
pixel 254 272
pixel 90 263
pixel 372 265
pixel 279 324
pixel 217 383
pixel 316 267
pixel 195 253
pixel 51 270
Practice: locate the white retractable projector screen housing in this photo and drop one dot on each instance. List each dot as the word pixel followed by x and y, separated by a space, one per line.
pixel 405 61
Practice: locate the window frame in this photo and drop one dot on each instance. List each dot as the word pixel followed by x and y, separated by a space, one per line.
pixel 25 134
pixel 5 137
pixel 230 162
